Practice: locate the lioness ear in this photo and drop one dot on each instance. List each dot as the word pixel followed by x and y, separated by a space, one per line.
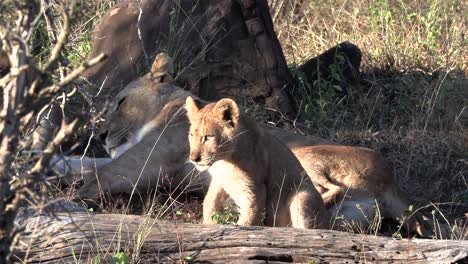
pixel 161 70
pixel 191 106
pixel 227 110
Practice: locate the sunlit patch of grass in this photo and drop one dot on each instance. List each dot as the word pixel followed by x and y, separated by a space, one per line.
pixel 411 103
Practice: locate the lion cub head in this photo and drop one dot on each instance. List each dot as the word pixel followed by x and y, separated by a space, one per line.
pixel 212 131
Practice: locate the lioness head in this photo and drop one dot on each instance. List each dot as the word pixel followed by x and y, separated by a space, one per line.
pixel 212 130
pixel 134 107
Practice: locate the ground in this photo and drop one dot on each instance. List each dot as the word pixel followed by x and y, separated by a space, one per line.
pixel 411 103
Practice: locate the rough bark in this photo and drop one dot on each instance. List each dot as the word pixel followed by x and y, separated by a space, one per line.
pixel 222 48
pixel 79 237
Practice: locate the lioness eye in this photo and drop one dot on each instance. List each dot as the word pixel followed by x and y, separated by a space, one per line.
pixel 207 137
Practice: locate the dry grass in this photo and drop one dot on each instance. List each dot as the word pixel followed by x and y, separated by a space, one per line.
pixel 411 104
pixel 398 35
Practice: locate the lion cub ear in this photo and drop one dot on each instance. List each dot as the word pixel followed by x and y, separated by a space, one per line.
pixel 192 107
pixel 227 110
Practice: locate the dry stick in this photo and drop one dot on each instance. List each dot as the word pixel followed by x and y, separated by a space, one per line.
pixel 54 88
pixel 49 20
pixel 139 35
pixel 10 121
pixel 16 105
pixel 62 38
pixel 65 131
pixel 59 41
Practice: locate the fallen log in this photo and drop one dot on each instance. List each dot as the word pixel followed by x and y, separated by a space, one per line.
pixel 82 237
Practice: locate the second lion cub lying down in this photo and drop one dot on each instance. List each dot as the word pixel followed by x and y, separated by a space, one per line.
pixel 254 168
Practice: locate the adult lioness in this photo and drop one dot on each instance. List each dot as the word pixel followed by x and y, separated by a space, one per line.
pixel 145 135
pixel 253 167
pixel 149 147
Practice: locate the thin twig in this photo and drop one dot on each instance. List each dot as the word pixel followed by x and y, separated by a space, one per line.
pixel 61 40
pixel 54 88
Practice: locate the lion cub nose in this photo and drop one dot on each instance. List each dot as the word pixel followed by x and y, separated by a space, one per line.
pixel 195 156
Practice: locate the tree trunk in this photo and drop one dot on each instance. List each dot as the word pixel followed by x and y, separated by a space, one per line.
pixel 224 48
pixel 79 237
pixel 220 48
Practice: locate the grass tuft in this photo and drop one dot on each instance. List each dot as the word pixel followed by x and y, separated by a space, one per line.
pixel 411 103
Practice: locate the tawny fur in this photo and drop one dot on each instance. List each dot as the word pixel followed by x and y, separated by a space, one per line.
pixel 142 120
pixel 145 133
pixel 342 174
pixel 255 169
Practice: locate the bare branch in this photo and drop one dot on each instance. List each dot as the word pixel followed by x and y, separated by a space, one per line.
pixel 65 131
pixel 62 38
pixel 24 93
pixel 53 89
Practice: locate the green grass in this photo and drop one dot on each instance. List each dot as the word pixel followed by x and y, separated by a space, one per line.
pixel 229 215
pixel 411 104
pixel 412 101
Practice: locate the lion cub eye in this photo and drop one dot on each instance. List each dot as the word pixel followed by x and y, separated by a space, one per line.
pixel 207 137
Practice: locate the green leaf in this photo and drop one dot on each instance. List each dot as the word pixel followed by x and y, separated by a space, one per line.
pixel 120 258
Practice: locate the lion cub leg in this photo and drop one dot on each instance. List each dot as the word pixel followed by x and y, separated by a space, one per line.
pixel 213 202
pixel 307 209
pixel 251 205
pixel 249 196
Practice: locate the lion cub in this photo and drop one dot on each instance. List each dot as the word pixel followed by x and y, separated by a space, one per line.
pixel 254 168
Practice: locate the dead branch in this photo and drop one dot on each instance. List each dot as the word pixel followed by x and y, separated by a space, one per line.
pixel 21 102
pixel 55 88
pixel 61 40
pixel 65 131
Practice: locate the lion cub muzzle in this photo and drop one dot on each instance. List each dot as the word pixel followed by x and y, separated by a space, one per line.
pixel 200 156
pixel 195 156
